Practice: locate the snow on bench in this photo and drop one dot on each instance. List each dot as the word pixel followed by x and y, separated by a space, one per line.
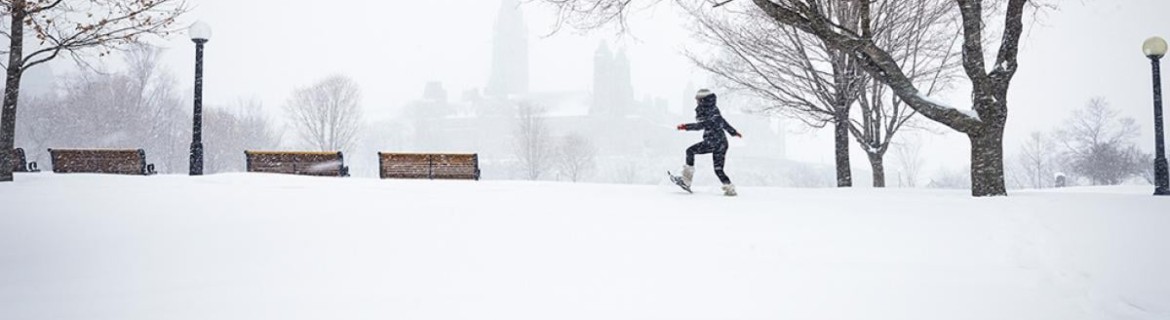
pixel 308 163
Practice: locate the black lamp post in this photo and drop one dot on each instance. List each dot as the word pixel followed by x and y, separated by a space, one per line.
pixel 1155 49
pixel 200 32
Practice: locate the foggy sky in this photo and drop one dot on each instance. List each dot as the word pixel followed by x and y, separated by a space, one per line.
pixel 263 49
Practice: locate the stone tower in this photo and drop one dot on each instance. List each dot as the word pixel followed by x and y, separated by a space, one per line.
pixel 613 93
pixel 509 73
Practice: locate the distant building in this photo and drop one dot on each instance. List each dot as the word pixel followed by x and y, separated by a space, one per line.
pixel 631 134
pixel 509 73
pixel 613 94
pixel 434 92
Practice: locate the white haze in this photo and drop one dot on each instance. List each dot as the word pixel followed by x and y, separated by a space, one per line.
pixel 263 49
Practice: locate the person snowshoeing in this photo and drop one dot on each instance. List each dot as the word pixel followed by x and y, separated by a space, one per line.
pixel 714 140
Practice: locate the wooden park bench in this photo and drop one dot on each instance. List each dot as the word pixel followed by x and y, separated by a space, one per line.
pixel 326 164
pixel 428 166
pixel 114 161
pixel 20 162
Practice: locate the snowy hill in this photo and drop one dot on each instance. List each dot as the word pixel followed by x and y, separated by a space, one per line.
pixel 246 246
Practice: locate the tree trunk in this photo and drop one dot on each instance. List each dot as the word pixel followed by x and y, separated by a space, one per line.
pixel 841 144
pixel 879 169
pixel 11 90
pixel 987 163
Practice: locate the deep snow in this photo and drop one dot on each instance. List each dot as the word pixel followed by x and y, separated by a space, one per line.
pixel 253 246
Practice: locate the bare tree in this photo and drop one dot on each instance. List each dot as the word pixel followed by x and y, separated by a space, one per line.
pixel 919 36
pixel 138 107
pixel 327 115
pixel 533 143
pixel 949 178
pixel 984 126
pixel 909 155
pixel 576 157
pixel 1038 161
pixel 39 128
pixel 805 78
pixel 158 108
pixel 627 169
pixel 1099 144
pixel 795 72
pixel 1147 171
pixel 70 27
pixel 801 175
pixel 230 131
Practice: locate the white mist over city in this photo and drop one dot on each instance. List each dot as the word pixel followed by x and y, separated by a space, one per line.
pixel 583 159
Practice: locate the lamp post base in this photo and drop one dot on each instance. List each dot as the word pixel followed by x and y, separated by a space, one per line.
pixel 196 159
pixel 1161 183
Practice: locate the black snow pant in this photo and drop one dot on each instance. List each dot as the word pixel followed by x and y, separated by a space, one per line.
pixel 718 151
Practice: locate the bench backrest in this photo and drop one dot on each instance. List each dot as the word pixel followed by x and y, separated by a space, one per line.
pixel 428 165
pixel 20 162
pixel 328 164
pixel 115 161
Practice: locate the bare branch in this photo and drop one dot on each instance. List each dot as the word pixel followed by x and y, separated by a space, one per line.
pixel 326 115
pixel 720 4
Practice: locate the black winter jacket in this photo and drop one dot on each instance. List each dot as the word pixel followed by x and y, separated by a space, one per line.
pixel 710 121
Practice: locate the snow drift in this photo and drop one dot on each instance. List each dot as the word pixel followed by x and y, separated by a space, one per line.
pixel 255 246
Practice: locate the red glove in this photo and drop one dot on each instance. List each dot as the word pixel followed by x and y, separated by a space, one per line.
pixel 682 127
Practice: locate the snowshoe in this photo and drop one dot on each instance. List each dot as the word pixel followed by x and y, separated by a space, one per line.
pixel 679 181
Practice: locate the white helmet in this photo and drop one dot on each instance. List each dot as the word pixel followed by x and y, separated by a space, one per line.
pixel 703 93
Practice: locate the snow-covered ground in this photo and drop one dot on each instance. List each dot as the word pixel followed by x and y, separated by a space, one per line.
pixel 248 246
